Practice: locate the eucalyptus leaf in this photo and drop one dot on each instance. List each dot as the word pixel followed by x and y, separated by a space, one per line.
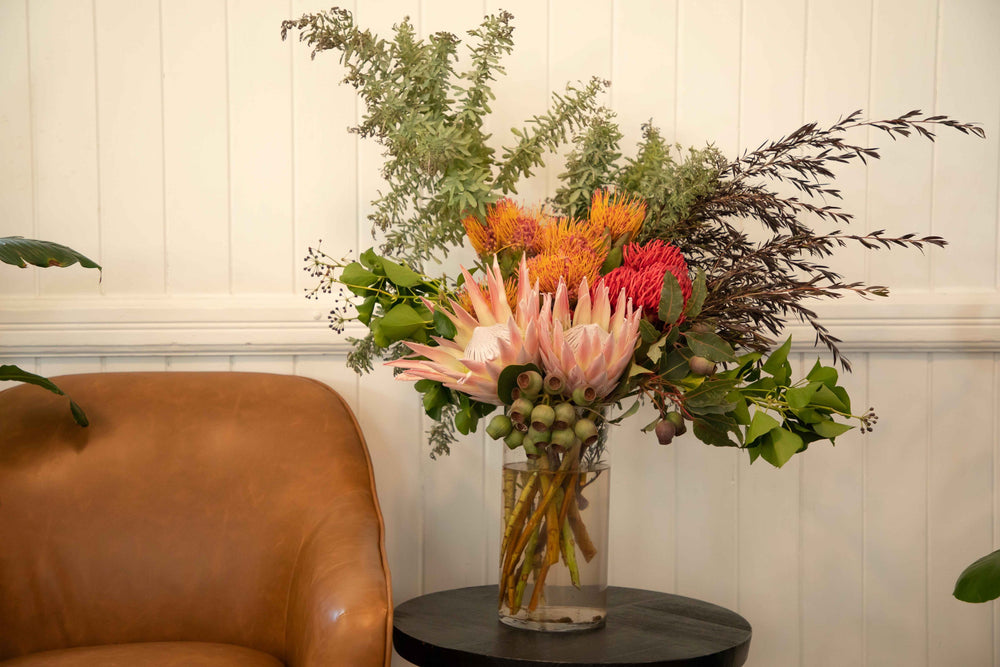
pixel 648 332
pixel 671 299
pixel 698 293
pixel 709 345
pixel 674 366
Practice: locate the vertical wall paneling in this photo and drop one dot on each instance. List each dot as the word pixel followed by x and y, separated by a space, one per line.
pixel 580 46
pixel 896 510
pixel 770 103
pixel 960 503
pixel 831 527
pixel 967 215
pixel 838 62
pixel 524 90
pixel 196 146
pixel 16 206
pixel 325 153
pixel 64 118
pixel 456 525
pixel 260 114
pixel 130 126
pixel 708 49
pixel 899 185
pixel 644 68
pixel 642 525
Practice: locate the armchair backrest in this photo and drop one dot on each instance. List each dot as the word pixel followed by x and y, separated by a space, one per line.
pixel 181 513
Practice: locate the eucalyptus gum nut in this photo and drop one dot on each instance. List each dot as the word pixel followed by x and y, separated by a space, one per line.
pixel 553 384
pixel 563 439
pixel 521 426
pixel 530 382
pixel 530 449
pixel 514 439
pixel 584 396
pixel 665 431
pixel 565 416
pixel 521 409
pixel 500 426
pixel 586 430
pixel 677 419
pixel 701 366
pixel 542 417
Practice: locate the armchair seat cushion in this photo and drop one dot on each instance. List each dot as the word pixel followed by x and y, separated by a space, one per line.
pixel 149 654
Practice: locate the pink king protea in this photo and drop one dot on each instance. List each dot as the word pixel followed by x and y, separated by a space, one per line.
pixel 593 348
pixel 484 344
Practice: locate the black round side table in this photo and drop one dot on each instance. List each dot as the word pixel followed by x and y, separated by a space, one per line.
pixel 460 627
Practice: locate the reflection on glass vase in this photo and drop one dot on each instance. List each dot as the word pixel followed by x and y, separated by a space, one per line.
pixel 554 546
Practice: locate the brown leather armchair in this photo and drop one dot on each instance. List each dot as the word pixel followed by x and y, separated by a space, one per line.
pixel 211 519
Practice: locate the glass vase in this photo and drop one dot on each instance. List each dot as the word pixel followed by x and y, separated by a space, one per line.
pixel 554 539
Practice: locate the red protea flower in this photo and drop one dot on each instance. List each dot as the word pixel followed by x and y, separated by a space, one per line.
pixel 641 274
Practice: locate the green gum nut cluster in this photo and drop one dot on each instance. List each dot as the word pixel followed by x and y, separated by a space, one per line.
pixel 543 414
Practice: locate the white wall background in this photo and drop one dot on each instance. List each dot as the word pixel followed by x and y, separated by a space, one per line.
pixel 185 147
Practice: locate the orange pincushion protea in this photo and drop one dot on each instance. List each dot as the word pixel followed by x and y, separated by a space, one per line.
pixel 507 225
pixel 569 250
pixel 618 213
pixel 641 275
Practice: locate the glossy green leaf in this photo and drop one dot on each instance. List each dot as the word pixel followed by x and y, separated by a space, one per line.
pixel 612 261
pixel 365 309
pixel 466 422
pixel 434 400
pixel 671 299
pixel 709 345
pixel 827 398
pixel 369 259
pixel 980 581
pixel 783 446
pixel 19 251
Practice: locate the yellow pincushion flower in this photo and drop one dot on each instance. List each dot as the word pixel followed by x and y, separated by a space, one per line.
pixel 619 213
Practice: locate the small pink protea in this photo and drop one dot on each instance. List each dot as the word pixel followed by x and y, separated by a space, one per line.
pixel 485 343
pixel 593 347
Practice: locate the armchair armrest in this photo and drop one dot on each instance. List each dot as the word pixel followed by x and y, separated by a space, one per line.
pixel 339 605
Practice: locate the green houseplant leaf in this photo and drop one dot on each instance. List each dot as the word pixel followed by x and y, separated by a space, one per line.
pixel 19 251
pixel 14 374
pixel 980 582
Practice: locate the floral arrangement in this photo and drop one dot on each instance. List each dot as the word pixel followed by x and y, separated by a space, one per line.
pixel 642 279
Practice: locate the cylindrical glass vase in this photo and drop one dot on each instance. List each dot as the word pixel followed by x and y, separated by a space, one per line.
pixel 554 540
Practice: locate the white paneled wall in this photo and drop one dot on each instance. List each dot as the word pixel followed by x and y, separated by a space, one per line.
pixel 185 147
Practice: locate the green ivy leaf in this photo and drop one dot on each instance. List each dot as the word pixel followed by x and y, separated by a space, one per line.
pixel 443 325
pixel 400 322
pixel 708 345
pixel 698 293
pixel 761 424
pixel 365 309
pixel 980 581
pixel 800 397
pixel 827 398
pixel 831 429
pixel 357 278
pixel 783 446
pixel 671 299
pixel 370 259
pixel 399 275
pixel 777 359
pixel 824 374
